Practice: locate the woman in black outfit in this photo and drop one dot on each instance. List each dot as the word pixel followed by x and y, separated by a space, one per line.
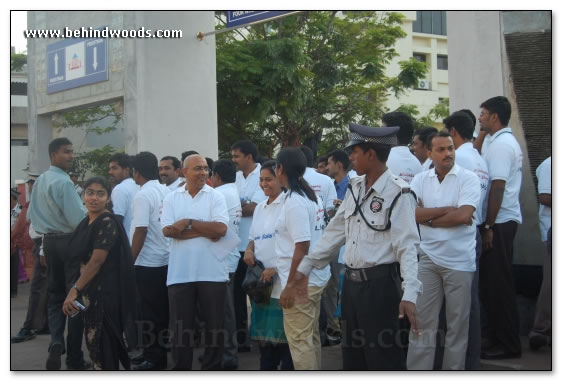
pixel 106 286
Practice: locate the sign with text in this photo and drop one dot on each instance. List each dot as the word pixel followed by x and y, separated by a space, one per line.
pixel 76 62
pixel 235 18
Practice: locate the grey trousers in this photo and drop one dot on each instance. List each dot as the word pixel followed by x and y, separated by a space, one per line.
pixel 439 282
pixel 329 299
pixel 542 321
pixel 230 351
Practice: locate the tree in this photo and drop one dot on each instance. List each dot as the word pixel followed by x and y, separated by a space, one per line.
pixel 438 112
pixel 17 61
pixel 305 77
pixel 95 161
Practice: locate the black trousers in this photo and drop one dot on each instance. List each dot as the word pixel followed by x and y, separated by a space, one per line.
pixel 497 292
pixel 36 317
pixel 63 270
pixel 370 323
pixel 183 299
pixel 153 293
pixel 274 355
pixel 14 272
pixel 241 309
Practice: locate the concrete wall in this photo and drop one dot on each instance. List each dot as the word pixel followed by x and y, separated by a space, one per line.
pixel 478 70
pixel 167 86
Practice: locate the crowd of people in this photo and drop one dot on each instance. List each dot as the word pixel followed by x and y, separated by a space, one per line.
pixel 397 239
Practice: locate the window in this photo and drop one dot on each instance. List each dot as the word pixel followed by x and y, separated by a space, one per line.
pixel 18 88
pixel 419 57
pixel 442 62
pixel 18 142
pixel 431 22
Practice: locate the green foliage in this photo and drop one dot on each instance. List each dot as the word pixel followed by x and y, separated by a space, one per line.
pixel 94 161
pixel 438 112
pixel 297 79
pixel 17 61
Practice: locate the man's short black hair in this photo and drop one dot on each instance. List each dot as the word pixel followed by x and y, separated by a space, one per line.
pixel 246 147
pixel 471 115
pixel 174 160
pixel 340 156
pixel 424 133
pixel 323 158
pixel 441 134
pixel 308 154
pixel 122 159
pixel 57 143
pixel 382 151
pixel 186 154
pixel 146 164
pixel 226 169
pixel 499 105
pixel 405 123
pixel 462 124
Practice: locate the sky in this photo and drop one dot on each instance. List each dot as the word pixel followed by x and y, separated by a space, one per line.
pixel 18 22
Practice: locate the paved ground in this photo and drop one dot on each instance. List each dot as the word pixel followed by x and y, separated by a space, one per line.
pixel 31 355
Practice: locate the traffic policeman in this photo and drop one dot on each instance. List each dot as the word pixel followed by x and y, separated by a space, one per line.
pixel 377 222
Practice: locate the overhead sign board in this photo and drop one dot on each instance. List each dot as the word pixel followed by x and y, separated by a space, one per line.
pixel 235 18
pixel 76 62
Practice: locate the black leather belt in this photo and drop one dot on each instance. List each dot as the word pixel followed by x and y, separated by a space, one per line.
pixel 366 274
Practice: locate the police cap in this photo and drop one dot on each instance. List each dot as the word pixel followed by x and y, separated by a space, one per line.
pixel 381 135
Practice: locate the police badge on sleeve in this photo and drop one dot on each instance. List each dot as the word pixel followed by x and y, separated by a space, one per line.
pixel 376 204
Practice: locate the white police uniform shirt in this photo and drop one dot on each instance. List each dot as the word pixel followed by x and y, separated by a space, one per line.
pixel 146 210
pixel 450 247
pixel 122 199
pixel 543 173
pixel 248 190
pixel 504 162
pixel 403 164
pixel 232 199
pixel 365 247
pixel 323 186
pixel 175 184
pixel 469 158
pixel 191 260
pixel 263 233
pixel 300 220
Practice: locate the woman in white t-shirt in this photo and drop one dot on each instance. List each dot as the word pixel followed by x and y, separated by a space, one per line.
pixel 266 322
pixel 299 226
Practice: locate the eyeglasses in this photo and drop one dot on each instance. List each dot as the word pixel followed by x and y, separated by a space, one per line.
pixel 99 194
pixel 201 168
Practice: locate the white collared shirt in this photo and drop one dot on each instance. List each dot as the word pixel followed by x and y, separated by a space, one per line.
pixel 122 200
pixel 300 220
pixel 365 247
pixel 426 165
pixel 248 189
pixel 451 247
pixel 191 260
pixel 469 158
pixel 263 233
pixel 403 164
pixel 504 162
pixel 232 199
pixel 323 186
pixel 145 211
pixel 175 184
pixel 543 173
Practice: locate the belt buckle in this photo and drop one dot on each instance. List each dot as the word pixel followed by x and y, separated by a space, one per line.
pixel 354 275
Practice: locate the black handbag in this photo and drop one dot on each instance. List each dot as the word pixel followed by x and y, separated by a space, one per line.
pixel 258 290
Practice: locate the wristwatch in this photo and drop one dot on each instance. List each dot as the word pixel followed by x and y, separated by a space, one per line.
pixel 488 226
pixel 430 222
pixel 75 287
pixel 190 224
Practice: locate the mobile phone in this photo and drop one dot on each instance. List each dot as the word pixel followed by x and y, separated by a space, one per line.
pixel 80 307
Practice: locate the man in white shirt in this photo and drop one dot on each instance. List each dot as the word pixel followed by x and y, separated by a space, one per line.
pixel 401 161
pixel 322 184
pixel 540 335
pixel 244 154
pixel 448 196
pixel 124 188
pixel 223 180
pixel 419 146
pixel 194 217
pixel 150 253
pixel 377 222
pixel 503 155
pixel 169 172
pixel 461 128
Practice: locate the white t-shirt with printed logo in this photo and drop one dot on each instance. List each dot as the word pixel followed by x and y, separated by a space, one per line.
pixel 300 220
pixel 403 164
pixel 543 173
pixel 232 199
pixel 470 159
pixel 122 200
pixel 146 210
pixel 248 190
pixel 323 186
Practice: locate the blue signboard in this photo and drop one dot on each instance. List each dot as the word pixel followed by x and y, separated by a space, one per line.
pixel 76 62
pixel 235 18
